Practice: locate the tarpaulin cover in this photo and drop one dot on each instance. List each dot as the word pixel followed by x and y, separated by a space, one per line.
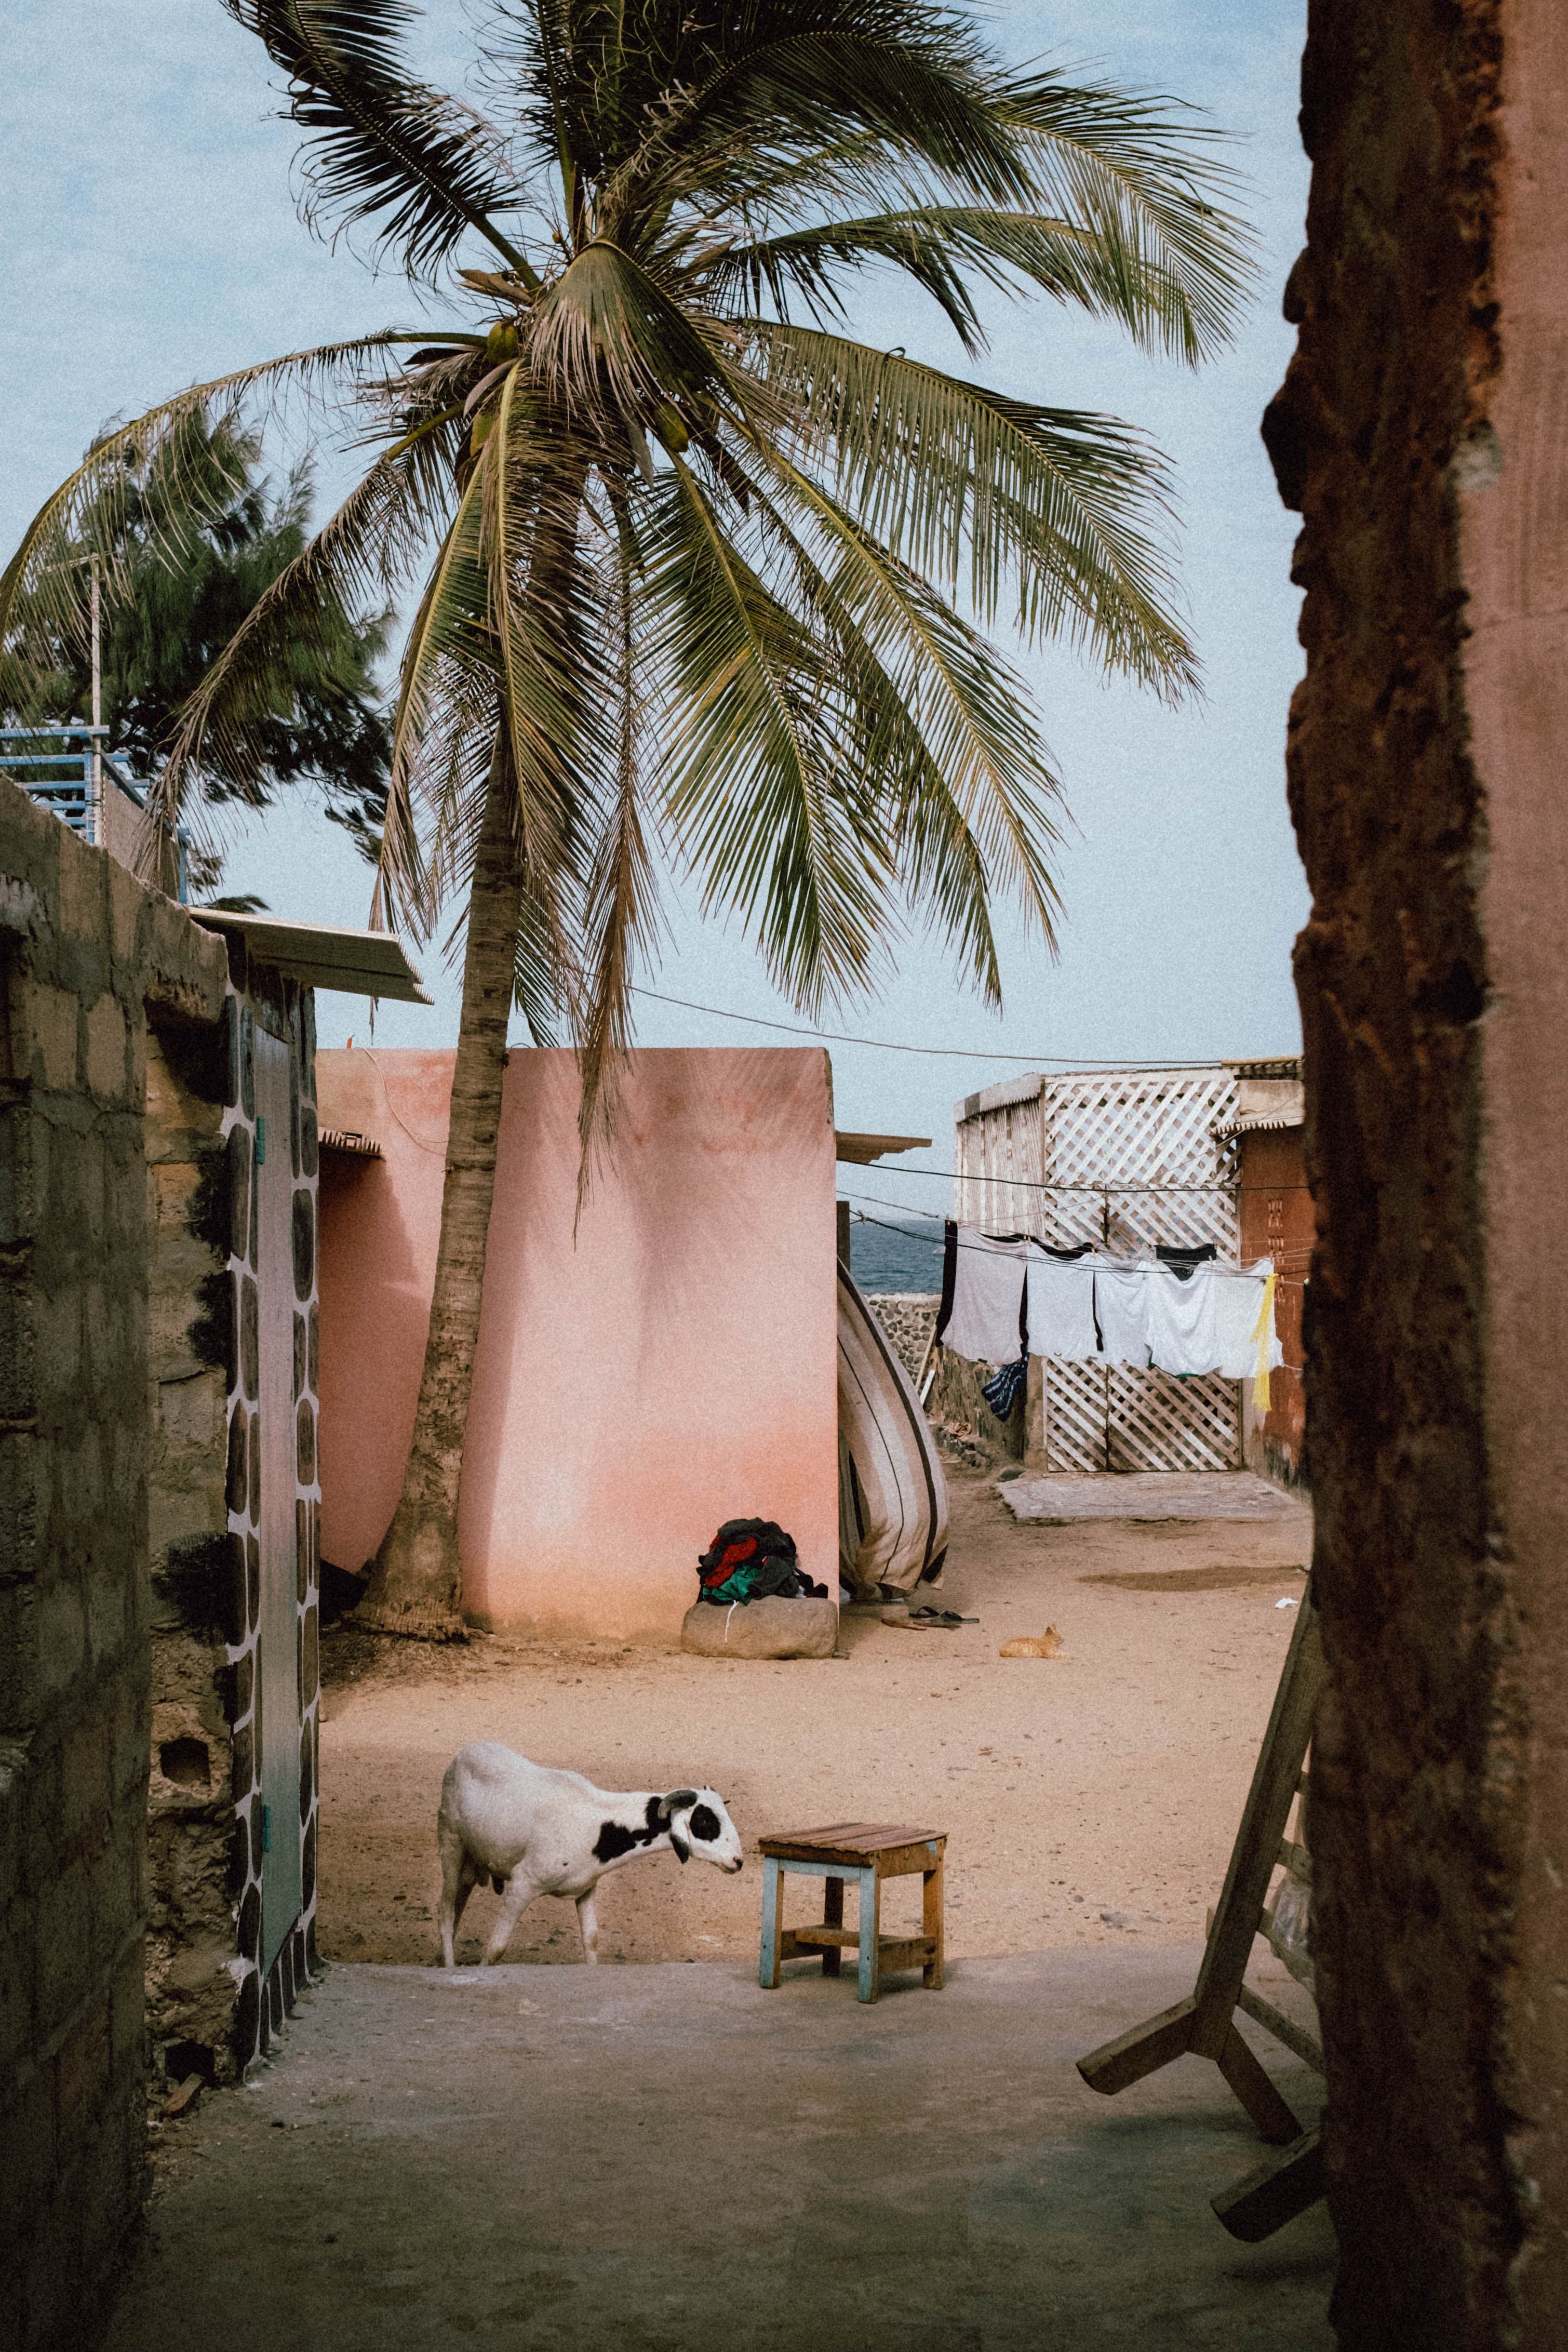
pixel 893 1497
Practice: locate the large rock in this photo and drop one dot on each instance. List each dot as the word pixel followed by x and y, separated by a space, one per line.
pixel 770 1628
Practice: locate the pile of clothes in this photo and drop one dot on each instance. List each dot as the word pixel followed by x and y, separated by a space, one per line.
pixel 753 1559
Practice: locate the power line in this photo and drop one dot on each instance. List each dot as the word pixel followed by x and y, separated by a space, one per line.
pixel 1031 1184
pixel 1073 1065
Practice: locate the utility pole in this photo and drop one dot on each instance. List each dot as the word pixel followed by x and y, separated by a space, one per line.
pixel 96 715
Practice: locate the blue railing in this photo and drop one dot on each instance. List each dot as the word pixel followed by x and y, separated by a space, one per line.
pixel 57 773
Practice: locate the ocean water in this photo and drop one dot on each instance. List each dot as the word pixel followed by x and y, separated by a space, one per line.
pixel 903 1254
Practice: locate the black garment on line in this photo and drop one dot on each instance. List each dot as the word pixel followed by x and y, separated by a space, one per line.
pixel 1182 1261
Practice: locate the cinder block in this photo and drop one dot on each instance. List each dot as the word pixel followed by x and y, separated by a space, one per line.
pixel 126 900
pixel 84 874
pixel 86 1779
pixel 108 1058
pixel 28 2145
pixel 65 1930
pixel 61 1623
pixel 83 2074
pixel 49 1018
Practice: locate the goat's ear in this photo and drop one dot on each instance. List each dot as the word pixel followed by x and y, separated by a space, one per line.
pixel 682 1850
pixel 676 1802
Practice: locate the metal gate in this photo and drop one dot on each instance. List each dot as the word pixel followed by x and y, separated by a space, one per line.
pixel 278 1668
pixel 1132 1160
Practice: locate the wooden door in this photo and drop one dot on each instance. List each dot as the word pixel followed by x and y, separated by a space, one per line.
pixel 277 1643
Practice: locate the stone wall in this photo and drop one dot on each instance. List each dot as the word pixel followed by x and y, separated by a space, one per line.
pixel 908 1317
pixel 1420 434
pixel 83 949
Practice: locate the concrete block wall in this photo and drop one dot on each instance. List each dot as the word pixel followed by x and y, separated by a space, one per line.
pixel 85 951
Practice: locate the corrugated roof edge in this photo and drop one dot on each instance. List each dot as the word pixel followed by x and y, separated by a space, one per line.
pixel 326 955
pixel 1282 1066
pixel 1256 1122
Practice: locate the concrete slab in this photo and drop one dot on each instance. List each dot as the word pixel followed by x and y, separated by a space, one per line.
pixel 669 2159
pixel 1067 1496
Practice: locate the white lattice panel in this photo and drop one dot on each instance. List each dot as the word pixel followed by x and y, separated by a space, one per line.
pixel 1132 1130
pixel 1155 1423
pixel 1075 1415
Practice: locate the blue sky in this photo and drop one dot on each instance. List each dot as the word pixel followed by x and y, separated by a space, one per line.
pixel 152 240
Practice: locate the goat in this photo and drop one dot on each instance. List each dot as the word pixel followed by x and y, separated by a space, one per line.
pixel 531 1830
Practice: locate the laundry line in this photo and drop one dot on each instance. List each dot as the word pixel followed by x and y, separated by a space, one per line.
pixel 1070 1065
pixel 1042 1184
pixel 908 1209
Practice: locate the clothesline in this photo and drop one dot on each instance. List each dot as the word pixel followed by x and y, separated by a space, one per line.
pixel 1071 1065
pixel 1038 1184
pixel 909 1211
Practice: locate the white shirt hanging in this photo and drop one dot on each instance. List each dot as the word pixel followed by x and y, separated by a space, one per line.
pixel 1061 1304
pixel 988 1298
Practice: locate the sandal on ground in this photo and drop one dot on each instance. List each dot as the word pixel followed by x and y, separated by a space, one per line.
pixel 947 1618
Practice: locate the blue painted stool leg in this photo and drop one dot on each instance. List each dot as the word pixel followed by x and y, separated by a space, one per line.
pixel 772 1878
pixel 870 1926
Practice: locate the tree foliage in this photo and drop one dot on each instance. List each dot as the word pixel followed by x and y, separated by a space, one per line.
pixel 195 536
pixel 701 575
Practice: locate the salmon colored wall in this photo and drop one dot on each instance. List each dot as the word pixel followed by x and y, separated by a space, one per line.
pixel 1278 1222
pixel 675 1367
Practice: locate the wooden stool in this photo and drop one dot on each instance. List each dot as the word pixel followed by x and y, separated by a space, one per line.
pixel 867 1851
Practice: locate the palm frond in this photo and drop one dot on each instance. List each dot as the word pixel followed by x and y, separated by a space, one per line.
pixel 972 715
pixel 383 146
pixel 542 611
pixel 621 908
pixel 976 489
pixel 1144 176
pixel 605 324
pixel 942 867
pixel 764 85
pixel 944 247
pixel 762 785
pixel 438 693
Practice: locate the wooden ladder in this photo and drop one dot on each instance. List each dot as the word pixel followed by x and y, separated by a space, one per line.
pixel 1291 2178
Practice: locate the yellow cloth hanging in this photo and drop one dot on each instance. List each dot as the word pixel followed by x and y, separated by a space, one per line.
pixel 1263 1332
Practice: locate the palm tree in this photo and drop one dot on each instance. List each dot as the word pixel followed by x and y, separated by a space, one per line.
pixel 704 576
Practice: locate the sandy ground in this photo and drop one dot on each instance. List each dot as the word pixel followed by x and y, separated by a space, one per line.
pixel 1109 1779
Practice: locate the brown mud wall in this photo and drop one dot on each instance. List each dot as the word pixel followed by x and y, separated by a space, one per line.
pixel 1420 433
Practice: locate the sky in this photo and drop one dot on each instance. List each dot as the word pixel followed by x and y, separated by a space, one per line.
pixel 152 241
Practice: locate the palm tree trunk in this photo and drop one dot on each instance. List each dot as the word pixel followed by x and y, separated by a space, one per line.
pixel 416 1582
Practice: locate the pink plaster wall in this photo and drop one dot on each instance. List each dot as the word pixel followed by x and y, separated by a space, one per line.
pixel 674 1367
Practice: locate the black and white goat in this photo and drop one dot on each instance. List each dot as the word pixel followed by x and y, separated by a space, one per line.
pixel 531 1830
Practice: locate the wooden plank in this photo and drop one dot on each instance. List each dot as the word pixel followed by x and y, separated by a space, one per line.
pixel 1252 1858
pixel 931 1920
pixel 869 1983
pixel 1142 2050
pixel 833 1917
pixel 812 1940
pixel 1278 2189
pixel 1296 1859
pixel 1251 2082
pixel 1273 2021
pixel 848 1842
pixel 773 1926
